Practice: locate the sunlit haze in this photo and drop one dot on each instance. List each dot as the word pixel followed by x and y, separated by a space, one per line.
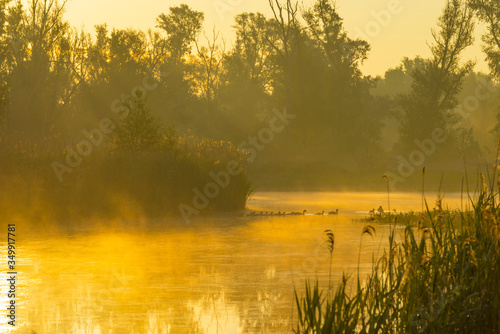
pixel 404 34
pixel 194 166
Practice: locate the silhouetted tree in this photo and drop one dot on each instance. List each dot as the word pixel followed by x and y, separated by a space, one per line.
pixel 210 71
pixel 344 54
pixel 341 118
pixel 250 68
pixel 488 11
pixel 437 81
pixel 39 38
pixel 286 22
pixel 137 130
pixel 60 80
pixel 4 69
pixel 182 26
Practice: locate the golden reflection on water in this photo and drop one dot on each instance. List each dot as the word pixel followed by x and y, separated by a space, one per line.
pixel 222 275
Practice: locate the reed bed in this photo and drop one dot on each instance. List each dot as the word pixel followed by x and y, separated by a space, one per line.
pixel 443 276
pixel 111 183
pixel 209 149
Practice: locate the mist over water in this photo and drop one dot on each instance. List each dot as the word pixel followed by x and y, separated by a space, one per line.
pixel 217 275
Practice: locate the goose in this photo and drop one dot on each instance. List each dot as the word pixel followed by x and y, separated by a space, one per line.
pixel 298 213
pixel 320 213
pixel 336 212
pixel 380 210
pixel 251 213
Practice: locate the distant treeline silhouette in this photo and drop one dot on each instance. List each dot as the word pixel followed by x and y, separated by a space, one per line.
pixel 59 82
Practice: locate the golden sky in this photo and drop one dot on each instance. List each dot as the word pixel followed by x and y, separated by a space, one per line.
pixel 394 28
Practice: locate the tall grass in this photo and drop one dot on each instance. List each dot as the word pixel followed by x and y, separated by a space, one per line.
pixel 423 188
pixel 330 242
pixel 388 191
pixel 443 277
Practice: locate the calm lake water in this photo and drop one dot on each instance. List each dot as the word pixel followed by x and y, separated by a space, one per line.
pixel 219 275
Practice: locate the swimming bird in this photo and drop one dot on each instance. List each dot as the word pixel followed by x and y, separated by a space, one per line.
pixel 336 212
pixel 320 213
pixel 380 210
pixel 298 213
pixel 251 213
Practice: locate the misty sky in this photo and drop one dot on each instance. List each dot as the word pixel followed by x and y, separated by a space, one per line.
pixel 405 33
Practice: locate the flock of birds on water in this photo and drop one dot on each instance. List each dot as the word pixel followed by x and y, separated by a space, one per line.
pixel 279 213
pixel 379 211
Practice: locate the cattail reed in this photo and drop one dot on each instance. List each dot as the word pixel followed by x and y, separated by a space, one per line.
pixel 441 278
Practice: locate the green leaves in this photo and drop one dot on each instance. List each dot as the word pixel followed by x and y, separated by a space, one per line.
pixel 488 11
pixel 182 26
pixel 137 130
pixel 438 81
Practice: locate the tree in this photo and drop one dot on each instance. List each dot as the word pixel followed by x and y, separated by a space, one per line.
pixel 347 94
pixel 127 49
pixel 397 81
pixel 4 91
pixel 488 11
pixel 210 70
pixel 137 130
pixel 288 31
pixel 156 50
pixel 253 54
pixel 39 46
pixel 326 28
pixel 436 83
pixel 182 26
pixel 99 55
pixel 249 79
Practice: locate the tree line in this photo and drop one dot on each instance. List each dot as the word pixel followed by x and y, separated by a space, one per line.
pixel 57 80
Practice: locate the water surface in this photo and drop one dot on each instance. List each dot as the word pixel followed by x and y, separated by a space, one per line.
pixel 217 275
